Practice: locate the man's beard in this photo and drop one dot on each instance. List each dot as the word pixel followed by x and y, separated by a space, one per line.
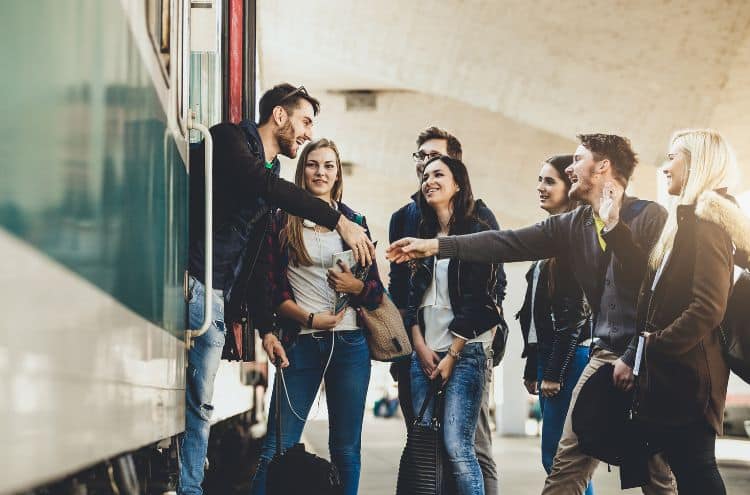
pixel 579 191
pixel 285 139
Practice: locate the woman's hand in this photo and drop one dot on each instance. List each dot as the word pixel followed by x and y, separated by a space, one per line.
pixel 344 281
pixel 530 386
pixel 609 207
pixel 549 388
pixel 274 349
pixel 444 369
pixel 410 248
pixel 427 358
pixel 327 320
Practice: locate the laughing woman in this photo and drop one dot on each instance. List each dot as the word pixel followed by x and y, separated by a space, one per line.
pixel 683 379
pixel 316 343
pixel 451 314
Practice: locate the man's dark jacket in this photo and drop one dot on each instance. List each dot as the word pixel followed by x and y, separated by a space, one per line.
pixel 244 193
pixel 611 284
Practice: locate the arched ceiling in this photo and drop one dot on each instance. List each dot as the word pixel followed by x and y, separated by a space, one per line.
pixel 640 68
pixel 514 80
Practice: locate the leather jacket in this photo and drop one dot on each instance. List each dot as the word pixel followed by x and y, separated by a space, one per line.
pixel 472 289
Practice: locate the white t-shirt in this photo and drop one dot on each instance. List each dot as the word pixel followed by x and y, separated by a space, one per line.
pixel 438 313
pixel 533 338
pixel 309 283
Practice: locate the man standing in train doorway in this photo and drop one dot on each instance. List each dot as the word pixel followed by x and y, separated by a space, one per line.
pixel 246 188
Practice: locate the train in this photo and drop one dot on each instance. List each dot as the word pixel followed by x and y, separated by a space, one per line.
pixel 102 100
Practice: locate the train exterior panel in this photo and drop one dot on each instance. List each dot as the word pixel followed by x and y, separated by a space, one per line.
pixel 93 236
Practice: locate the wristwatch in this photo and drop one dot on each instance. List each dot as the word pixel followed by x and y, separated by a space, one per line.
pixel 455 355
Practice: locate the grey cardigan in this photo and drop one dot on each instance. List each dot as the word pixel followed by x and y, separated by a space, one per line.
pixel 607 281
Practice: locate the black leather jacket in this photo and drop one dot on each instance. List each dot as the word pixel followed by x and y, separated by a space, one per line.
pixel 561 320
pixel 472 289
pixel 244 192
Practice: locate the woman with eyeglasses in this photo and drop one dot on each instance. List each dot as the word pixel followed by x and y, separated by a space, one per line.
pixel 554 320
pixel 451 314
pixel 315 342
pixel 682 381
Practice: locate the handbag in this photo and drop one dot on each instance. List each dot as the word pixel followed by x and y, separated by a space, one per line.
pixel 500 341
pixel 420 471
pixel 296 471
pixel 239 343
pixel 385 332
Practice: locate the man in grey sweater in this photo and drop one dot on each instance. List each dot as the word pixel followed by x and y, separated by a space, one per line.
pixel 602 167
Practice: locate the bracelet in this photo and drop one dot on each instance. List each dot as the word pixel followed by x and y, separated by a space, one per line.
pixel 310 320
pixel 455 355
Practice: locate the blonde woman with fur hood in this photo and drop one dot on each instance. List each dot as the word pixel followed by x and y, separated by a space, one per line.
pixel 687 282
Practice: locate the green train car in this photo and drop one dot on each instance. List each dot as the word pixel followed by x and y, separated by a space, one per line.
pixel 100 99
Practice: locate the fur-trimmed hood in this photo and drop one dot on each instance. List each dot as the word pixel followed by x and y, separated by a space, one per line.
pixel 718 209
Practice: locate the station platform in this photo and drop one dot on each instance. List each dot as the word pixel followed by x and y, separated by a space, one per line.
pixel 518 460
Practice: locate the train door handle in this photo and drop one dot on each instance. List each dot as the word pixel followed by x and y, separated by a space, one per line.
pixel 208 254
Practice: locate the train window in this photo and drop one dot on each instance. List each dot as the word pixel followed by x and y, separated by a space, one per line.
pixel 158 19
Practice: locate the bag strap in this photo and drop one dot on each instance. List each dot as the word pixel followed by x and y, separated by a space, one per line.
pixel 277 405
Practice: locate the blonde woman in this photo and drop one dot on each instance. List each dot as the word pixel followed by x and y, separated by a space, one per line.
pixel 688 278
pixel 315 342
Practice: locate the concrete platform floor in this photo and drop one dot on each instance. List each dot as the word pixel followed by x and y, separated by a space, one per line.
pixel 518 461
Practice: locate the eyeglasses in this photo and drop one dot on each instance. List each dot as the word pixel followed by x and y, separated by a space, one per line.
pixel 421 156
pixel 299 91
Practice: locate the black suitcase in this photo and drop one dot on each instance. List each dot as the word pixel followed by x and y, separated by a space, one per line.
pixel 421 470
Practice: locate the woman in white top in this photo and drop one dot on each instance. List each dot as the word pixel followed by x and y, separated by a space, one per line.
pixel 305 286
pixel 451 315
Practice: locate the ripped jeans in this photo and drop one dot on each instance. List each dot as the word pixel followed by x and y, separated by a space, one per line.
pixel 203 363
pixel 463 399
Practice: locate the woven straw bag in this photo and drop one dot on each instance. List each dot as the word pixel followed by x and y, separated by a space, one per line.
pixel 385 332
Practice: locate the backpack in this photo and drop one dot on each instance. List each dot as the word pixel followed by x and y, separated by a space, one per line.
pixel 294 470
pixel 734 331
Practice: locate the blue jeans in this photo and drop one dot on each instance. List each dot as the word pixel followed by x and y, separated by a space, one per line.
pixel 463 399
pixel 346 381
pixel 203 363
pixel 555 409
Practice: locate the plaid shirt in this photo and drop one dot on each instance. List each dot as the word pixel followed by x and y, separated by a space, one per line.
pixel 276 281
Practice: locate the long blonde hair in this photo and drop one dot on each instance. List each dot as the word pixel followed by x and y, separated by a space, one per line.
pixel 290 235
pixel 711 165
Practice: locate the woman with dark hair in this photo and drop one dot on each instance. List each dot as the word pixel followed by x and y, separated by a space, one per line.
pixel 554 320
pixel 451 314
pixel 315 342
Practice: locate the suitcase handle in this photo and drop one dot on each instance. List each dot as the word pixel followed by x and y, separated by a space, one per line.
pixel 437 392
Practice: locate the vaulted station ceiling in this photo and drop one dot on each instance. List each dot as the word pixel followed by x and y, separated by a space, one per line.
pixel 516 80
